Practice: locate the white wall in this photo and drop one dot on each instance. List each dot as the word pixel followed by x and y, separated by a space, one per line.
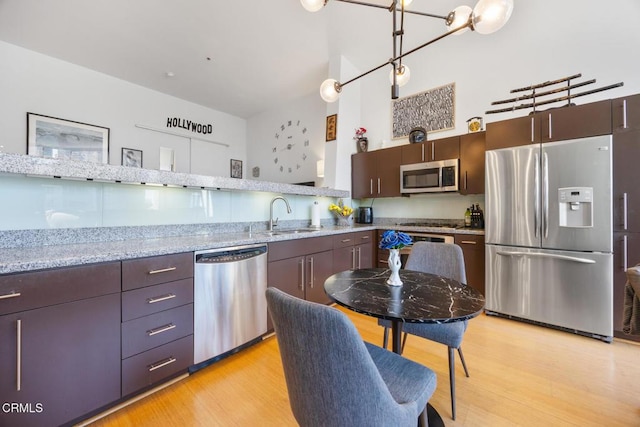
pixel 32 82
pixel 303 120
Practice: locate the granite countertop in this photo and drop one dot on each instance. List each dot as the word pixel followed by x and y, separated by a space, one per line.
pixel 22 259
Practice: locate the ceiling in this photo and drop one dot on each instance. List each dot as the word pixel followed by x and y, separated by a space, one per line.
pixel 239 57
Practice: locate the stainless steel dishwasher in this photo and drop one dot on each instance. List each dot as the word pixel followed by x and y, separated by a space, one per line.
pixel 230 308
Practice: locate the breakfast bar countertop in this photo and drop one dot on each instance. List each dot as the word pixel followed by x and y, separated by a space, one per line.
pixel 22 259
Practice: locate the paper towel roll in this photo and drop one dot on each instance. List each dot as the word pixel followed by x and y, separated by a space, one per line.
pixel 315 215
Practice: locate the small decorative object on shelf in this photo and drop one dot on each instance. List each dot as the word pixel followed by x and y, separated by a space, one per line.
pixel 474 124
pixel 362 142
pixel 343 213
pixel 394 241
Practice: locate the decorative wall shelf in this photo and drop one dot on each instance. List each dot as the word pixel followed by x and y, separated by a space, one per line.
pixel 74 170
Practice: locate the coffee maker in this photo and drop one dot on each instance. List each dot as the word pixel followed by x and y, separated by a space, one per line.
pixel 365 215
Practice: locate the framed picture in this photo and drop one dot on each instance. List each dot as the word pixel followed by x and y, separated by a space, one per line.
pixel 131 157
pixel 65 139
pixel 236 168
pixel 332 127
pixel 432 110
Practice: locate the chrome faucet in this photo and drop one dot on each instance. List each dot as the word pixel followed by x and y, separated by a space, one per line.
pixel 271 211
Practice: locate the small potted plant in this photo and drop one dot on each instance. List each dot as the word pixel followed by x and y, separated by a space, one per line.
pixel 342 213
pixel 362 142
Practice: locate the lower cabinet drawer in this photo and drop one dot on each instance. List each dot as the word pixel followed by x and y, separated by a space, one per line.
pixel 152 299
pixel 156 329
pixel 153 366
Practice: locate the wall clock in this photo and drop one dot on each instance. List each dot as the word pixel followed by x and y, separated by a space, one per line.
pixel 291 146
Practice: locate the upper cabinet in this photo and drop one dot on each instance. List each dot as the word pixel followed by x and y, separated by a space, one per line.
pixel 556 124
pixel 376 173
pixel 472 163
pixel 625 113
pixel 578 121
pixel 439 149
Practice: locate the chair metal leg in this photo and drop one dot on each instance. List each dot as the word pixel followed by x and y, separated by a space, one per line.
pixel 464 365
pixel 404 341
pixel 452 382
pixel 423 419
pixel 385 337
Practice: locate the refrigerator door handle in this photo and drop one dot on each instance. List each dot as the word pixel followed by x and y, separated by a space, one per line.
pixel 554 256
pixel 545 194
pixel 536 198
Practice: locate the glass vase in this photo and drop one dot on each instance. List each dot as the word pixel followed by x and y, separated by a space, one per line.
pixel 394 266
pixel 344 221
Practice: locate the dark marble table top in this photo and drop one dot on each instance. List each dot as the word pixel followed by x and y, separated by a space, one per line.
pixel 422 298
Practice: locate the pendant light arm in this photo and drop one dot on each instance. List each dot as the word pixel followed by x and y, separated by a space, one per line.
pixel 409 52
pixel 390 8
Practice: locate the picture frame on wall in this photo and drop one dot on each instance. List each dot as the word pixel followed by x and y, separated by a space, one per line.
pixel 131 157
pixel 66 139
pixel 332 127
pixel 236 168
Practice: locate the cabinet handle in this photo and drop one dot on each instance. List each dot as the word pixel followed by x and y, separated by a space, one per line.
pixel 353 258
pixel 378 185
pixel 160 298
pixel 164 270
pixel 301 274
pixel 161 329
pixel 364 238
pixel 433 151
pixel 311 272
pixel 533 135
pixel 11 294
pixel 550 127
pixel 624 114
pixel 359 257
pixel 625 202
pixel 18 355
pixel 624 252
pixel 465 180
pixel 162 363
pixel 468 242
pixel 371 186
pixel 345 240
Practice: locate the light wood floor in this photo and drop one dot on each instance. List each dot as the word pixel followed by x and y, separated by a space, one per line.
pixel 521 375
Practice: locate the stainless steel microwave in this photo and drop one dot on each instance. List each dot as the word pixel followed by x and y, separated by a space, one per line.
pixel 429 177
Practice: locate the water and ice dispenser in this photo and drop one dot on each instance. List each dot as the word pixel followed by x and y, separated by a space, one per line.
pixel 576 206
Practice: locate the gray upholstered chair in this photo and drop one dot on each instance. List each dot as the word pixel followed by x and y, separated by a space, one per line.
pixel 336 379
pixel 445 260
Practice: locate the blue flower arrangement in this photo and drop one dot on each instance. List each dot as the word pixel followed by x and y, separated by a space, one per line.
pixel 395 240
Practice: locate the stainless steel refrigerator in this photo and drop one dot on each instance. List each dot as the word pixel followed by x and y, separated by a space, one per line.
pixel 548 234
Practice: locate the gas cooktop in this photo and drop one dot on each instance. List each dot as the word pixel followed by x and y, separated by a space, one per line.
pixel 430 224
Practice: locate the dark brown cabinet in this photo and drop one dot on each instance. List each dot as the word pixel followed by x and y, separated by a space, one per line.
pixel 429 151
pixel 473 250
pixel 352 251
pixel 300 267
pixel 59 343
pixel 578 121
pixel 472 163
pixel 626 194
pixel 625 113
pixel 376 173
pixel 157 320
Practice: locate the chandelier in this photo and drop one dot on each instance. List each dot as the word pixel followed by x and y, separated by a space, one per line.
pixel 486 17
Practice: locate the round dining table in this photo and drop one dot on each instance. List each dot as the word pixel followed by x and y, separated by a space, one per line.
pixel 422 298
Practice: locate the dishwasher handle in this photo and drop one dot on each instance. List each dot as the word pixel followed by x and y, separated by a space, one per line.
pixel 230 255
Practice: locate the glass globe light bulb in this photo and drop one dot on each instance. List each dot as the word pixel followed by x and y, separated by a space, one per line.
pixel 457 18
pixel 406 2
pixel 491 15
pixel 313 5
pixel 330 90
pixel 403 73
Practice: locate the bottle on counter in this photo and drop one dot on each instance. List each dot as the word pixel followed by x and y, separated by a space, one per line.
pixel 467 218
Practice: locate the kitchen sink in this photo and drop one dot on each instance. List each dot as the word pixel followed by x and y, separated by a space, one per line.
pixel 289 231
